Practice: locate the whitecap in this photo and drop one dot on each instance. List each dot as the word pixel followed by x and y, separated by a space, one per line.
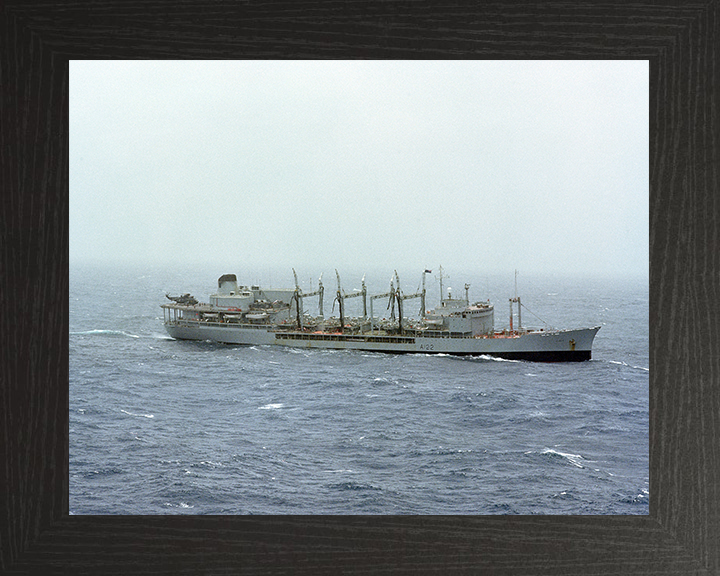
pixel 158 336
pixel 629 365
pixel 133 414
pixel 291 350
pixel 179 505
pixel 104 333
pixel 572 458
pixel 271 407
pixel 495 358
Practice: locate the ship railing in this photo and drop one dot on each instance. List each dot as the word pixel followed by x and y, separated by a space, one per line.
pixel 194 323
pixel 338 337
pixel 442 334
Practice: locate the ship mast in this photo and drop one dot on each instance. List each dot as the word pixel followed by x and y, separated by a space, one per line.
pixel 440 277
pixel 297 296
pixel 516 299
pixel 341 303
pixel 422 298
pixel 320 291
pixel 399 298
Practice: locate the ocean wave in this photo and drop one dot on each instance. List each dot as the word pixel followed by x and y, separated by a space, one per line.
pixel 179 505
pixel 101 472
pixel 112 333
pixel 496 359
pixel 629 365
pixel 380 380
pixel 353 486
pixel 207 464
pixel 574 459
pixel 141 415
pixel 271 407
pixel 642 498
pixel 159 336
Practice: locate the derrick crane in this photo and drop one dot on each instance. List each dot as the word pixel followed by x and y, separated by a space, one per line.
pixel 340 301
pixel 341 296
pixel 298 296
pixel 319 293
pixel 420 294
pixel 399 298
pixel 391 300
pixel 362 292
pixel 394 296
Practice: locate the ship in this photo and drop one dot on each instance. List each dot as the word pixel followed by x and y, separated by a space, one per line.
pixel 253 315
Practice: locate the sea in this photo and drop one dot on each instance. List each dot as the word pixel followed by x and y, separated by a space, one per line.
pixel 160 426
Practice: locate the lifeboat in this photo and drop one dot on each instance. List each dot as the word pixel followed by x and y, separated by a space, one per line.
pixel 257 316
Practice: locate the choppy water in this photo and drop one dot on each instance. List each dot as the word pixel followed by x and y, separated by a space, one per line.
pixel 159 426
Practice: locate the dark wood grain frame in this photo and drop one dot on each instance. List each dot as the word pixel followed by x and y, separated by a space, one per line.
pixel 681 41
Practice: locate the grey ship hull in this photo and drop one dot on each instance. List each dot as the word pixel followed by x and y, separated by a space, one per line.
pixel 539 346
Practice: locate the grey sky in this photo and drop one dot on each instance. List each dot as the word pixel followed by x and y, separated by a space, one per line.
pixel 482 166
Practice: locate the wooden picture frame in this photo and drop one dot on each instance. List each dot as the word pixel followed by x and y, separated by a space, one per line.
pixel 681 41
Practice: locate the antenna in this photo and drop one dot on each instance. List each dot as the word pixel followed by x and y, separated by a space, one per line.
pixel 516 299
pixel 364 295
pixel 440 277
pixel 422 297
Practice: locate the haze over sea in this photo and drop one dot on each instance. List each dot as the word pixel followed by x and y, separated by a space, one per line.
pixel 159 426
